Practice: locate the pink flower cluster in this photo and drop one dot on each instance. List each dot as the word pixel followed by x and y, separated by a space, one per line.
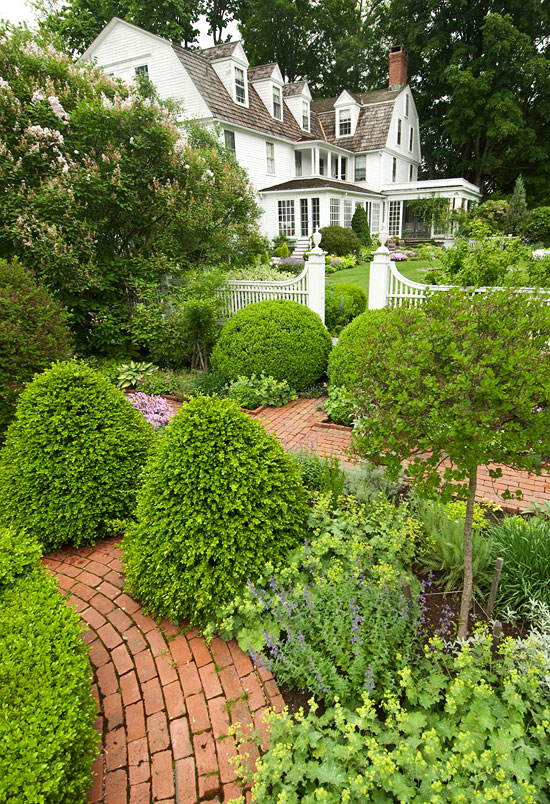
pixel 398 256
pixel 156 409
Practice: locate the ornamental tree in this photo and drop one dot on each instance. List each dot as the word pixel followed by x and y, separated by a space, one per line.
pixel 360 225
pixel 101 190
pixel 459 384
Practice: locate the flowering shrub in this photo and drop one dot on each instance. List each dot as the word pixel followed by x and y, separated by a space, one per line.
pixel 333 263
pixel 462 728
pixel 334 619
pixel 398 256
pixel 162 382
pixel 156 409
pixel 293 264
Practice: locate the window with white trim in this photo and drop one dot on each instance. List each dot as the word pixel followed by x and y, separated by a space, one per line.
pixel 143 69
pixel 321 166
pixel 335 212
pixel 277 106
pixel 374 219
pixel 344 122
pixel 394 219
pixel 411 138
pixel 298 162
pixel 305 115
pixel 348 212
pixel 287 224
pixel 394 169
pixel 334 163
pixel 411 172
pixel 406 105
pixel 240 88
pixel 229 139
pixel 361 167
pixel 270 157
pixel 343 167
pixel 315 213
pixel 399 125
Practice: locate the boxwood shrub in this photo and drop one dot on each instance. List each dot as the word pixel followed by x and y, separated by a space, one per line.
pixel 47 711
pixel 280 338
pixel 345 359
pixel 220 499
pixel 339 240
pixel 33 333
pixel 72 457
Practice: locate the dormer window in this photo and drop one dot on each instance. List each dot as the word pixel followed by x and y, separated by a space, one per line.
pixel 240 88
pixel 277 106
pixel 344 124
pixel 305 115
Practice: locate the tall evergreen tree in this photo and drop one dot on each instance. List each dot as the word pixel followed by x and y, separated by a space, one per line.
pixel 517 211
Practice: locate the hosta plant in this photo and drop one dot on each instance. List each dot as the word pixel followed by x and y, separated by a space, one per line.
pixel 129 374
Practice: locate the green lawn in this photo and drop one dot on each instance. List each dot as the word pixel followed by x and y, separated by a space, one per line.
pixel 359 275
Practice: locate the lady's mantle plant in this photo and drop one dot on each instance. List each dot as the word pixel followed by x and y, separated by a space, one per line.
pixel 220 499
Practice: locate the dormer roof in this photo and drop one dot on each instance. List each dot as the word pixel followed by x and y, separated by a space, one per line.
pixel 223 51
pixel 373 124
pixel 265 71
pixel 296 88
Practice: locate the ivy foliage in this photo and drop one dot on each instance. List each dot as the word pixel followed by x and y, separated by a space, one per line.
pixel 280 338
pixel 70 465
pixel 220 498
pixel 33 333
pixel 47 711
pixel 433 210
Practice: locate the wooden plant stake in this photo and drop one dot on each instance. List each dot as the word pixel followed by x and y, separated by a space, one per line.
pixel 407 592
pixel 497 636
pixel 494 586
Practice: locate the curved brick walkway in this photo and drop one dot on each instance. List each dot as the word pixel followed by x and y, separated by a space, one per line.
pixel 166 700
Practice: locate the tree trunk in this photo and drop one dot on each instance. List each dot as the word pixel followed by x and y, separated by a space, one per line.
pixel 467 592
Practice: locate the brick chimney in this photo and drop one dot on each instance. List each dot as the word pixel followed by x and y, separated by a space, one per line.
pixel 398 67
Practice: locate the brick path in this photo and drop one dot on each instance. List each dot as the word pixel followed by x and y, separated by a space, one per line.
pixel 165 699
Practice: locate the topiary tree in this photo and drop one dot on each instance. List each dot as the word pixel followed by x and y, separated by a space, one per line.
pixel 220 499
pixel 360 225
pixel 340 241
pixel 462 383
pixel 47 735
pixel 517 211
pixel 33 333
pixel 280 338
pixel 536 225
pixel 69 468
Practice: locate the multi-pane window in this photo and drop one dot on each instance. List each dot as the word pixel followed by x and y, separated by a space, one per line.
pixel 277 106
pixel 298 162
pixel 229 139
pixel 304 217
pixel 411 138
pixel 335 212
pixel 143 69
pixel 315 214
pixel 343 167
pixel 406 105
pixel 321 166
pixel 348 212
pixel 394 221
pixel 240 90
pixel 394 169
pixel 305 115
pixel 344 124
pixel 360 167
pixel 286 218
pixel 270 157
pixel 399 131
pixel 374 217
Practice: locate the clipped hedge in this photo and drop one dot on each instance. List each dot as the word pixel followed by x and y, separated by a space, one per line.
pixel 47 711
pixel 343 303
pixel 280 338
pixel 72 457
pixel 220 500
pixel 33 333
pixel 340 241
pixel 345 359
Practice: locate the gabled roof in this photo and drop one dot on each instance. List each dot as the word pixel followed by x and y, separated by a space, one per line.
pixel 223 107
pixel 223 51
pixel 262 72
pixel 318 184
pixel 362 98
pixel 373 124
pixel 296 88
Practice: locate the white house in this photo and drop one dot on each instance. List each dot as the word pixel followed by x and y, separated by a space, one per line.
pixel 310 162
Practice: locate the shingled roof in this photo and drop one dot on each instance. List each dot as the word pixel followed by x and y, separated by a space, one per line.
pixel 222 51
pixel 261 72
pixel 317 184
pixel 362 98
pixel 296 88
pixel 224 108
pixel 371 131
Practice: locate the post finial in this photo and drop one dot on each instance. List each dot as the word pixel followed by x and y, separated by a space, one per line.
pixel 316 237
pixel 383 237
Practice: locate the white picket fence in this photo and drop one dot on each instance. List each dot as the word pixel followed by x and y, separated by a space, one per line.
pixel 308 288
pixel 389 288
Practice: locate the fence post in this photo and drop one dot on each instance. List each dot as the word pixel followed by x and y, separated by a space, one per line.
pixel 379 275
pixel 316 277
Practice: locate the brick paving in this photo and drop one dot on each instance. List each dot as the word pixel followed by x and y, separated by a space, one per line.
pixel 165 699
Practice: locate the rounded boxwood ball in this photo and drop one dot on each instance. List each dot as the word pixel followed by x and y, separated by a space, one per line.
pixel 220 499
pixel 72 457
pixel 345 359
pixel 281 338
